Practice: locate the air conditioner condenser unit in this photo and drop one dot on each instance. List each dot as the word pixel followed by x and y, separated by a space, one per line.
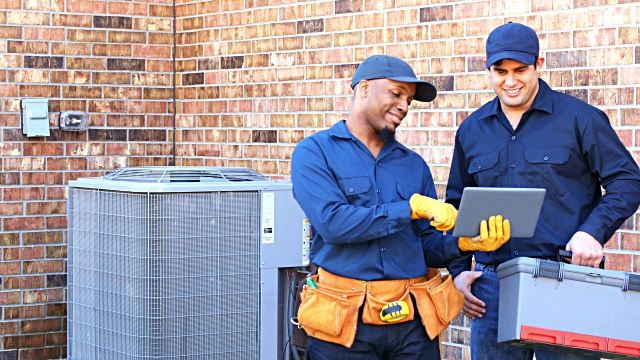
pixel 180 263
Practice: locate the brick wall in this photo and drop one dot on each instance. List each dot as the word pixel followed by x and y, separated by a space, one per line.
pixel 257 76
pixel 252 79
pixel 110 59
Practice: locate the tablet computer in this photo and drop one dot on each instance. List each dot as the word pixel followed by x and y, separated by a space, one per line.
pixel 520 205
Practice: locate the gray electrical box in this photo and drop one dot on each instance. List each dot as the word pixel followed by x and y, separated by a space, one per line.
pixel 35 117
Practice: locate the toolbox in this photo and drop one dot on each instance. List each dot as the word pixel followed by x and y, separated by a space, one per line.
pixel 584 309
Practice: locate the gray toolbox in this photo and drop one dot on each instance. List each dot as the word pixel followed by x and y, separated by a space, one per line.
pixel 588 310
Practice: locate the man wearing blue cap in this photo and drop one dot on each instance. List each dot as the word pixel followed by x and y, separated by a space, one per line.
pixel 377 224
pixel 533 136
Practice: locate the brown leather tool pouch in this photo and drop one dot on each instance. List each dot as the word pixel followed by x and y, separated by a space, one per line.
pixel 329 313
pixel 438 302
pixel 379 294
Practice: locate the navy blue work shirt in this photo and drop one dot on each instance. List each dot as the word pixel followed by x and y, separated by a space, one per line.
pixel 561 144
pixel 358 206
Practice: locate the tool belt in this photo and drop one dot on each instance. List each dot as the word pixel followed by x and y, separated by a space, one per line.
pixel 329 312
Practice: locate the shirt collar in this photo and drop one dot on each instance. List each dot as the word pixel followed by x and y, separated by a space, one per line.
pixel 340 130
pixel 542 102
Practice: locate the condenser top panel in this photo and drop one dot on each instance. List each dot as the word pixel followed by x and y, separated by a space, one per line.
pixel 167 179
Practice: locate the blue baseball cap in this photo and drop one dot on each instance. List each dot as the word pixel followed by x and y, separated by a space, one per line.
pixel 389 67
pixel 512 41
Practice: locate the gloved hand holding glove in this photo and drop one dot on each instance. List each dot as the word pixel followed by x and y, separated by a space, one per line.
pixel 491 237
pixel 442 215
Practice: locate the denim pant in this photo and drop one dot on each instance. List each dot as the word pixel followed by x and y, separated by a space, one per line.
pixel 484 330
pixel 404 341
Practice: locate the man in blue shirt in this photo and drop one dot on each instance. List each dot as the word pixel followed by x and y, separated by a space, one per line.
pixel 533 136
pixel 377 225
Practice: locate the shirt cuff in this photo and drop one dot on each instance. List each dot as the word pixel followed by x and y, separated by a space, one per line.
pixel 595 232
pixel 399 214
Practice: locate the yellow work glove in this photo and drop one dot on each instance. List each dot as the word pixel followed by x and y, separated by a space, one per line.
pixel 491 238
pixel 441 214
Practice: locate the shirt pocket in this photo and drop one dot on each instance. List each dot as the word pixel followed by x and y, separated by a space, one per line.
pixel 483 169
pixel 405 191
pixel 545 168
pixel 483 162
pixel 356 189
pixel 550 156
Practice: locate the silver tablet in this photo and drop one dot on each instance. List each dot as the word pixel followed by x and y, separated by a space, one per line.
pixel 520 205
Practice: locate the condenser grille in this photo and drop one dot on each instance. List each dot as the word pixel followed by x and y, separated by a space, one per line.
pixel 163 276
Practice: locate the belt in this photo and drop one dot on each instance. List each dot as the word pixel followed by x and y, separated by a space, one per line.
pixel 491 267
pixel 345 283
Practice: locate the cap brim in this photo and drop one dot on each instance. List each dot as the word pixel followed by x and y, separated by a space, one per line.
pixel 424 90
pixel 519 56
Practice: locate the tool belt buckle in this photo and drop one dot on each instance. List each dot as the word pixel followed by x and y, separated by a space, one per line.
pixel 394 311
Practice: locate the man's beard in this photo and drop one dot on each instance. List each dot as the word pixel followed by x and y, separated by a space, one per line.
pixel 387 135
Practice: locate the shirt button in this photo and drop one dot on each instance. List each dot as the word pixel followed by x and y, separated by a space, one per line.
pixel 378 191
pixel 546 158
pixel 515 253
pixel 479 166
pixel 383 249
pixel 513 137
pixel 513 166
pixel 350 189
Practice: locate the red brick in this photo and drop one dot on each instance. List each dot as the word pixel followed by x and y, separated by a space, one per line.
pixel 57 309
pixel 71 20
pixel 10 209
pixel 69 163
pixel 43 296
pixel 46 208
pixel 9 239
pixel 9 297
pixel 56 222
pixel 43 237
pixel 22 253
pixel 86 6
pixel 43 149
pixel 23 223
pixel 56 193
pixel 24 193
pixel 630 241
pixel 43 266
pixel 8 328
pixel 618 261
pixel 91 36
pixel 24 312
pixel 59 338
pixel 28 341
pixel 10 149
pixel 24 282
pixel 41 178
pixel 44 325
pixel 57 252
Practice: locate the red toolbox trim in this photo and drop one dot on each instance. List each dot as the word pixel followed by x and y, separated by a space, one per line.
pixel 548 336
pixel 583 341
pixel 623 347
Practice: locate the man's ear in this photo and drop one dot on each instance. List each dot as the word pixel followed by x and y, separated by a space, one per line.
pixel 363 88
pixel 539 64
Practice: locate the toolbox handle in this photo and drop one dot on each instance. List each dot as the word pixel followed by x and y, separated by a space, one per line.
pixel 565 256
